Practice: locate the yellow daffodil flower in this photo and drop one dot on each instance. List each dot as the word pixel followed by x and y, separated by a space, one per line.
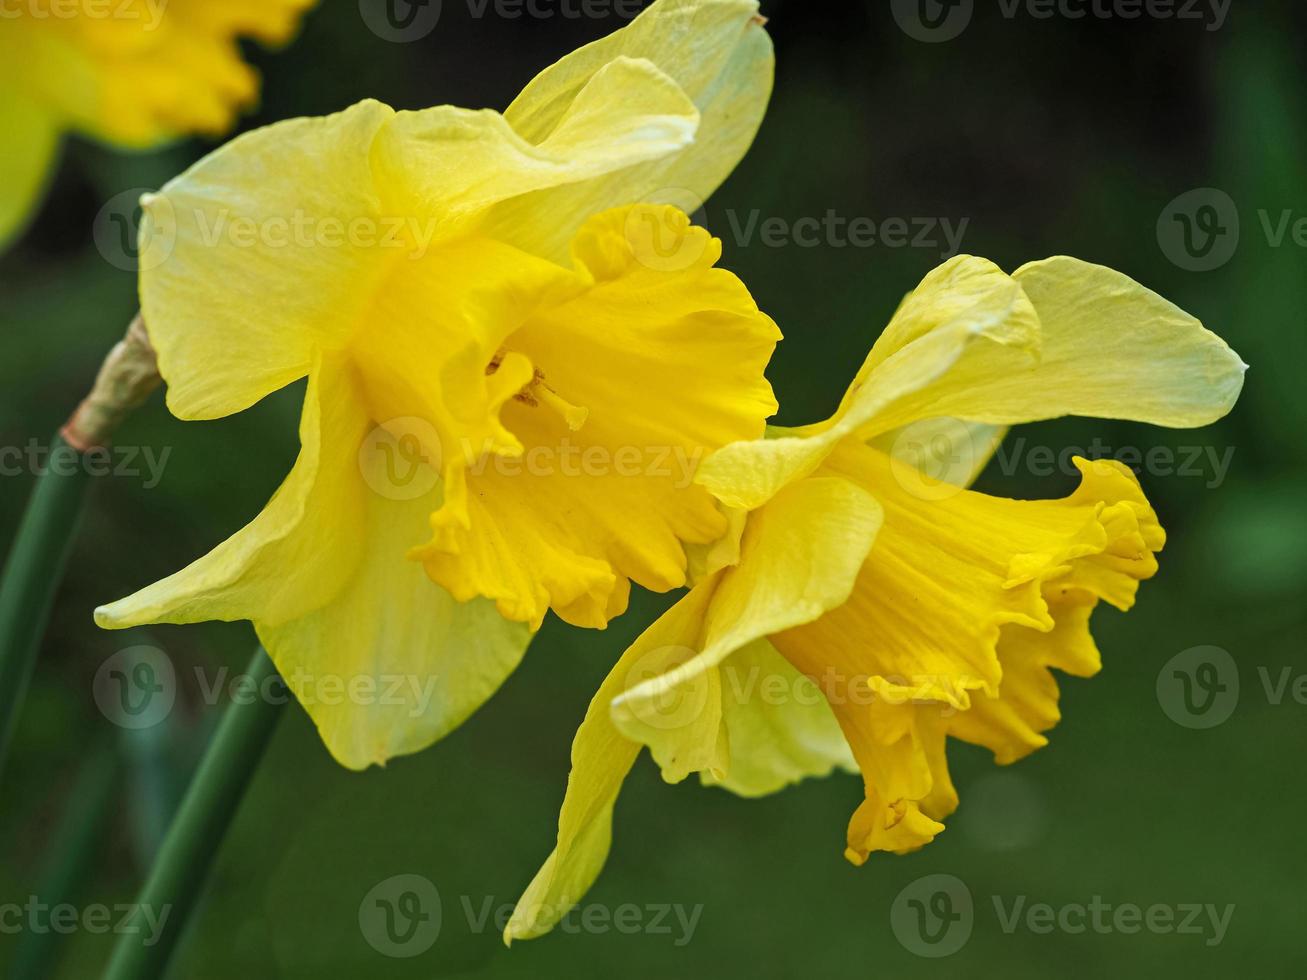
pixel 132 73
pixel 868 611
pixel 514 365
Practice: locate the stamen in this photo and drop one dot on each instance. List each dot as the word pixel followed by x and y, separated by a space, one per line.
pixel 537 392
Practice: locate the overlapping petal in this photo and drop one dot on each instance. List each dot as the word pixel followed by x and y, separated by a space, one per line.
pixel 719 55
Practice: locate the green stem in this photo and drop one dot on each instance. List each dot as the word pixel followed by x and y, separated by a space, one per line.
pixel 75 848
pixel 174 884
pixel 32 575
pixel 45 536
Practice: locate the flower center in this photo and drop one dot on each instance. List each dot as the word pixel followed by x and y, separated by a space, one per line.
pixel 537 393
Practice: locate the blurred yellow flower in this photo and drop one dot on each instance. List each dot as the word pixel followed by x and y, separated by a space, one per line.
pixel 133 73
pixel 870 611
pixel 514 365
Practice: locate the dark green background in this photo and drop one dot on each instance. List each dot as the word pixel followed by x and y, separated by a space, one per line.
pixel 1049 136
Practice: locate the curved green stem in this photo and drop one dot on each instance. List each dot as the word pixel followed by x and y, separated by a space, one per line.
pixel 32 575
pixel 195 837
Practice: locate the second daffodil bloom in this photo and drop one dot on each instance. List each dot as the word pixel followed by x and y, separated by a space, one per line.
pixel 131 73
pixel 868 611
pixel 513 366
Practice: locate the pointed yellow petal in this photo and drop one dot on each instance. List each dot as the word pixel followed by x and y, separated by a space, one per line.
pixel 272 569
pixel 384 661
pixel 601 758
pixel 1110 348
pixel 965 302
pixel 716 51
pixel 799 557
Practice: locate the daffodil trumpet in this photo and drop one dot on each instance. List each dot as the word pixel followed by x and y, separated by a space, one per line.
pixel 896 607
pixel 471 297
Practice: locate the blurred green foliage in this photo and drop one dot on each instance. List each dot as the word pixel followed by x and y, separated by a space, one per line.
pixel 1047 136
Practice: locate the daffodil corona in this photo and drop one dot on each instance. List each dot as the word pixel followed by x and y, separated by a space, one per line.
pixel 515 361
pixel 895 608
pixel 133 73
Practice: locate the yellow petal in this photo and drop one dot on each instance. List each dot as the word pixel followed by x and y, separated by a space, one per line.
pixel 965 302
pixel 450 164
pixel 272 569
pixel 31 142
pixel 663 366
pixel 601 758
pixel 239 281
pixel 716 51
pixel 1110 349
pixel 944 450
pixel 779 727
pixel 799 558
pixel 384 661
pixel 277 243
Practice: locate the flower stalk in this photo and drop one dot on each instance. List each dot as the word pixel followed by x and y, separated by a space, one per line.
pixel 195 837
pixel 45 535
